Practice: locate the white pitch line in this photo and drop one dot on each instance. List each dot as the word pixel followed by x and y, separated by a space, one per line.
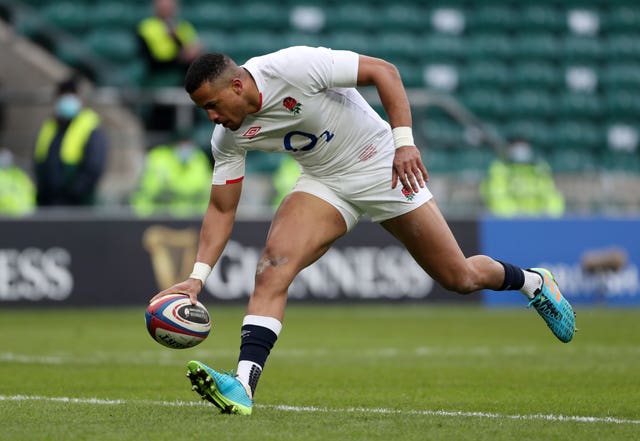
pixel 169 359
pixel 312 409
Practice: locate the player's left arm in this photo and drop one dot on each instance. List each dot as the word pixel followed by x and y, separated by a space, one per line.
pixel 407 163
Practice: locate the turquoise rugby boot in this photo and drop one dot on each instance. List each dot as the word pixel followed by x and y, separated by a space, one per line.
pixel 221 389
pixel 553 307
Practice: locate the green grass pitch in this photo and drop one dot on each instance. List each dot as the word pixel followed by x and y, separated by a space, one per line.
pixel 350 372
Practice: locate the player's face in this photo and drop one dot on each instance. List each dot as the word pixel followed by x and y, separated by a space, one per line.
pixel 222 102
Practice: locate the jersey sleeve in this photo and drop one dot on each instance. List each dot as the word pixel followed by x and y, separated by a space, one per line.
pixel 316 69
pixel 229 159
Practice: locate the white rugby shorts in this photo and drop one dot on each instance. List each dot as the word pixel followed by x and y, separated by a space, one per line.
pixel 366 189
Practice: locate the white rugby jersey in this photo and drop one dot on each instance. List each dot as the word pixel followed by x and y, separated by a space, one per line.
pixel 310 109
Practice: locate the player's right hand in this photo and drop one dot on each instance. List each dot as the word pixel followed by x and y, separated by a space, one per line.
pixel 190 287
pixel 408 169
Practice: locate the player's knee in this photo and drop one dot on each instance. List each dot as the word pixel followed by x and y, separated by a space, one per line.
pixel 459 281
pixel 273 272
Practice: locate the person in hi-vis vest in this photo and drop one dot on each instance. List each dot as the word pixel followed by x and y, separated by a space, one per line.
pixel 176 180
pixel 169 44
pixel 70 151
pixel 519 184
pixel 17 192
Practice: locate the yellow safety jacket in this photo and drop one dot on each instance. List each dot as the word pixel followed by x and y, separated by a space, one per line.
pixel 74 140
pixel 17 192
pixel 513 189
pixel 170 186
pixel 284 179
pixel 161 44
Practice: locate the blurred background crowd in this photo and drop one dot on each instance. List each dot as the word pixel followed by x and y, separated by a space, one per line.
pixel 521 108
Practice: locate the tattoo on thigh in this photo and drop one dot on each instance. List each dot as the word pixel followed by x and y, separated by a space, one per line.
pixel 265 262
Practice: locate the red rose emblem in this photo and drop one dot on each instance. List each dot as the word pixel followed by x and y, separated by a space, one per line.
pixel 409 194
pixel 292 105
pixel 289 103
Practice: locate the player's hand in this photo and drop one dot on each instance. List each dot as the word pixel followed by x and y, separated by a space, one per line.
pixel 409 169
pixel 190 287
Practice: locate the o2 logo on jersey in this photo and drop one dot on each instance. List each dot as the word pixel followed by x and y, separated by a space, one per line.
pixel 313 139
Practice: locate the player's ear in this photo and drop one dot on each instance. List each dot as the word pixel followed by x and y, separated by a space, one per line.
pixel 237 85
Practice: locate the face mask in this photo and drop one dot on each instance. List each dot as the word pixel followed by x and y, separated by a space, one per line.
pixel 521 153
pixel 184 151
pixel 68 106
pixel 6 159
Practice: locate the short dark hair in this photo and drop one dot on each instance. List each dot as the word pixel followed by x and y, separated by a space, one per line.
pixel 205 68
pixel 68 85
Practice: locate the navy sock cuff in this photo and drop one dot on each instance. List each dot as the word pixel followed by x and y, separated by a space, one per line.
pixel 256 343
pixel 513 277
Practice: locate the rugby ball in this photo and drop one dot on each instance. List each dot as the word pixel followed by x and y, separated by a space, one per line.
pixel 175 323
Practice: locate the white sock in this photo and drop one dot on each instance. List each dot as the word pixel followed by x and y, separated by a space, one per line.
pixel 532 283
pixel 267 330
pixel 245 368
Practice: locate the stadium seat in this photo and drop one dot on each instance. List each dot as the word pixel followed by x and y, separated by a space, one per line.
pixel 403 17
pixel 576 49
pixel 396 45
pixel 245 45
pixel 487 103
pixel 531 103
pixel 411 73
pixel 71 51
pixel 623 104
pixel 261 16
pixel 216 41
pixel 488 73
pixel 115 14
pixel 438 160
pixel 441 48
pixel 539 75
pixel 118 46
pixel 536 46
pixel 491 18
pixel 578 135
pixel 543 17
pixel 621 76
pixel 356 41
pixel 28 25
pixel 262 162
pixel 69 16
pixel 494 46
pixel 536 131
pixel 132 73
pixel 621 161
pixel 583 20
pixel 351 16
pixel 475 159
pixel 623 47
pixel 581 78
pixel 442 77
pixel 580 105
pixel 622 18
pixel 571 161
pixel 303 39
pixel 210 16
pixel 202 133
pixel 441 133
pixel 447 19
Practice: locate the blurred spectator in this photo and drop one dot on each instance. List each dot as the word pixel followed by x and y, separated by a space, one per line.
pixel 168 45
pixel 70 151
pixel 284 179
pixel 176 180
pixel 521 185
pixel 17 192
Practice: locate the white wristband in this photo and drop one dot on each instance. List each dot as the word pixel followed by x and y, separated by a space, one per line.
pixel 402 136
pixel 200 271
